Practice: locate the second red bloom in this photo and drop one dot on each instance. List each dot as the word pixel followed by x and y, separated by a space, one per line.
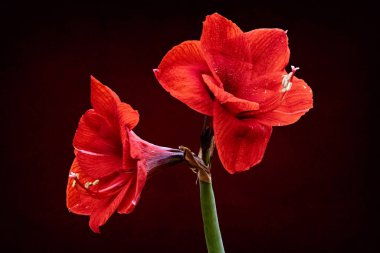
pixel 112 162
pixel 239 79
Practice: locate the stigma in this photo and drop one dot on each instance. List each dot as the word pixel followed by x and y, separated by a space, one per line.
pixel 74 175
pixel 287 80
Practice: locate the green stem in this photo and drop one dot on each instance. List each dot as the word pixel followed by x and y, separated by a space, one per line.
pixel 210 219
pixel 209 214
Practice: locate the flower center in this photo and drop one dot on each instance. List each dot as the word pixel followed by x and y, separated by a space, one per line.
pixel 101 188
pixel 287 80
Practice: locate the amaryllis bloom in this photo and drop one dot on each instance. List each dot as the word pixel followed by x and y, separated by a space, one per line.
pixel 112 163
pixel 239 78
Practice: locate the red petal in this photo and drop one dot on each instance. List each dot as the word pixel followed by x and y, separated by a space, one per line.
pixel 103 99
pixel 127 116
pixel 264 90
pixel 296 102
pixel 128 119
pixel 142 151
pixel 240 144
pixel 180 74
pixel 99 165
pixel 106 208
pixel 77 201
pixel 132 197
pixel 226 50
pixel 96 134
pixel 139 150
pixel 107 103
pixel 98 145
pixel 233 104
pixel 269 50
pixel 100 209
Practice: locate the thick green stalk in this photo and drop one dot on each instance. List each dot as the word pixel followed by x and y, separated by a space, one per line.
pixel 210 219
pixel 209 214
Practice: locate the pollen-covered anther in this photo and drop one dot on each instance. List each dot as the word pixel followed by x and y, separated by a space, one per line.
pixel 75 177
pixel 287 79
pixel 87 185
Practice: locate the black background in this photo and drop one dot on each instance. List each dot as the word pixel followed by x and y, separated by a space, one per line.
pixel 309 194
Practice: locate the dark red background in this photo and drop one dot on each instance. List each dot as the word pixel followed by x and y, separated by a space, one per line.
pixel 309 194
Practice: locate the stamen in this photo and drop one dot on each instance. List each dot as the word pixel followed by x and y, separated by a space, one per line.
pixel 74 175
pixel 104 191
pixel 87 185
pixel 287 79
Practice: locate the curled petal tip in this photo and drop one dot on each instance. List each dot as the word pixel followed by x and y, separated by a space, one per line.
pixel 96 230
pixel 93 79
pixel 156 72
pixel 214 14
pixel 215 17
pixel 286 31
pixel 95 82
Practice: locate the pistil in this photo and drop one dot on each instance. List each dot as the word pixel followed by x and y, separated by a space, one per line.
pixel 287 79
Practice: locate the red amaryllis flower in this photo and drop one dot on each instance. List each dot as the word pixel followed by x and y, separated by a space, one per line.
pixel 112 163
pixel 239 79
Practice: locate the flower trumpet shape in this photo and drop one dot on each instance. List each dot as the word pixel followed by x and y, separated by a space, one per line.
pixel 239 79
pixel 112 163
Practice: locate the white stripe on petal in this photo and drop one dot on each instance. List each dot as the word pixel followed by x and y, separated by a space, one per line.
pixel 89 152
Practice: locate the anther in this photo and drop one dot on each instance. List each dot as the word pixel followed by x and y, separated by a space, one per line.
pixel 87 185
